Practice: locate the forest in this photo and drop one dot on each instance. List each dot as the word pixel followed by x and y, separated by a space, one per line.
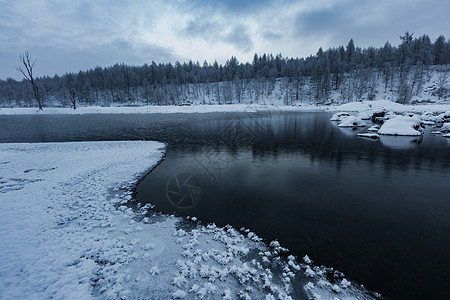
pixel 350 73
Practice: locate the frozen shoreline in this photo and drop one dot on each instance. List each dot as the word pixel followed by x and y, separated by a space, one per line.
pixel 352 106
pixel 67 233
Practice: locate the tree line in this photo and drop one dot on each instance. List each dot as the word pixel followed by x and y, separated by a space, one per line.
pixel 351 70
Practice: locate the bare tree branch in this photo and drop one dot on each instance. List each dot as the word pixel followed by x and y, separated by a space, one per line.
pixel 27 73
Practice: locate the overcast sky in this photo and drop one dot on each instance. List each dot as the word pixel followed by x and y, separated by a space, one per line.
pixel 72 35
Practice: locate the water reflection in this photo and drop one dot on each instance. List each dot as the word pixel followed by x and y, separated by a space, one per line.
pixel 401 142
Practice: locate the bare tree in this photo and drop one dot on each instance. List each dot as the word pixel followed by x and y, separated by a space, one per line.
pixel 27 73
pixel 70 86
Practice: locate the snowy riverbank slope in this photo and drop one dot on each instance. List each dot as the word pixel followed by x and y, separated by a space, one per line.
pixel 441 106
pixel 68 231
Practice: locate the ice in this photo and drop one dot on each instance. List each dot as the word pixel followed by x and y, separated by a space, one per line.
pixel 401 125
pixel 352 121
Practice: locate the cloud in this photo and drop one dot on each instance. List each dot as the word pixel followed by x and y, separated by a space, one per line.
pixel 232 7
pixel 240 38
pixel 205 29
pixel 69 35
pixel 271 35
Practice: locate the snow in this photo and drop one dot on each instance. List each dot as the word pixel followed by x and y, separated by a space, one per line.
pixel 401 125
pixel 369 135
pixel 374 128
pixel 365 115
pixel 339 116
pixel 352 121
pixel 153 109
pixel 68 231
pixel 445 128
pixel 447 135
pixel 378 105
pixel 365 108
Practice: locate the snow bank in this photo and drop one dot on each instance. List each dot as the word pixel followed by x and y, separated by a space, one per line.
pixel 352 121
pixel 390 106
pixel 400 125
pixel 68 231
pixel 366 108
pixel 157 109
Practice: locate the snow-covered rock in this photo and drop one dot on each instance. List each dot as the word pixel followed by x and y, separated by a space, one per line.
pixel 427 116
pixel 447 114
pixel 369 135
pixel 352 121
pixel 339 116
pixel 374 128
pixel 401 125
pixel 445 128
pixel 365 115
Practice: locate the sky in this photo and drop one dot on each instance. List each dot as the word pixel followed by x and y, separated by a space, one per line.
pixel 73 35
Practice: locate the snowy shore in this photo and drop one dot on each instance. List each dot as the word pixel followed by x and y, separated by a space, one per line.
pixel 69 232
pixel 351 107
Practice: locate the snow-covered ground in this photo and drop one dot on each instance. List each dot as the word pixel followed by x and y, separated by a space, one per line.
pixel 358 107
pixel 68 231
pixel 390 106
pixel 153 109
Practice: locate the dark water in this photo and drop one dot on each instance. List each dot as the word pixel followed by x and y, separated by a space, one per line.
pixel 377 210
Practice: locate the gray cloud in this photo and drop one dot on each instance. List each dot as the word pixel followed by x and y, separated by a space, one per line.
pixel 235 7
pixel 271 35
pixel 70 35
pixel 203 28
pixel 240 38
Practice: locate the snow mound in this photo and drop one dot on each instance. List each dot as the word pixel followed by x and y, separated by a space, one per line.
pixel 447 114
pixel 445 128
pixel 365 115
pixel 352 121
pixel 374 128
pixel 447 135
pixel 400 125
pixel 339 116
